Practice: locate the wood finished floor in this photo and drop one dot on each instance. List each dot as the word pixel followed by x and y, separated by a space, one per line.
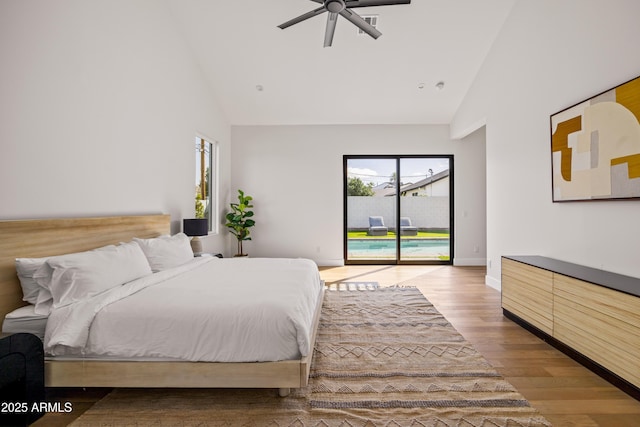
pixel 566 393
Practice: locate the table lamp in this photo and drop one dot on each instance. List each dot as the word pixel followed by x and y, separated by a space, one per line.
pixel 194 228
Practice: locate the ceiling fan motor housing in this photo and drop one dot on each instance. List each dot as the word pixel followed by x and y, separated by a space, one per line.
pixel 334 6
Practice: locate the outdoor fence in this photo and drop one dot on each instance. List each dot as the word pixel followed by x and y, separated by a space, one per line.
pixel 425 212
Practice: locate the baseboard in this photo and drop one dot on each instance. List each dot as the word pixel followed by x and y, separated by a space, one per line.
pixel 493 283
pixel 459 262
pixel 469 262
pixel 329 262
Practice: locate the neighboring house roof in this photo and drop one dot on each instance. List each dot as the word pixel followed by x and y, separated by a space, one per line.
pixel 384 189
pixel 388 188
pixel 424 182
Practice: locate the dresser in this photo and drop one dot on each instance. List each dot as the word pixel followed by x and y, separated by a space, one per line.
pixel 592 315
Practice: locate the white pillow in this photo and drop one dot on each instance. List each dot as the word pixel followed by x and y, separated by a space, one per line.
pixel 166 251
pixel 26 312
pixel 74 277
pixel 26 268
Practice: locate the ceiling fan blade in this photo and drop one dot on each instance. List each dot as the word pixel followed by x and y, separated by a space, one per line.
pixel 360 23
pixel 332 20
pixel 303 17
pixel 371 3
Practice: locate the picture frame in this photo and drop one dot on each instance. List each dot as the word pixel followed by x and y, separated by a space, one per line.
pixel 595 147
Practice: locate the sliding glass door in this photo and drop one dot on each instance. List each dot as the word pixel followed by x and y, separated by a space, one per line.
pixel 371 209
pixel 398 209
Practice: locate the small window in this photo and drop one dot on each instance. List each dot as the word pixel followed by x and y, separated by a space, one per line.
pixel 206 182
pixel 371 20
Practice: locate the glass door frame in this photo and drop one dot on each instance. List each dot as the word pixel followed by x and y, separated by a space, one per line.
pixel 398 197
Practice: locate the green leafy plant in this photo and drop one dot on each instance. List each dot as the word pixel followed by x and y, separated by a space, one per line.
pixel 355 187
pixel 239 219
pixel 200 213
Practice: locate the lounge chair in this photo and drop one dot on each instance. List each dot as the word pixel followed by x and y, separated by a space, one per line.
pixel 377 227
pixel 406 229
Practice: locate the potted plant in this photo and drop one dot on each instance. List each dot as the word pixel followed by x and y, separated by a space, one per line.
pixel 239 220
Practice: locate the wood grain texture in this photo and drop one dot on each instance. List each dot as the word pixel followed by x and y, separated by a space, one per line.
pixel 172 374
pixel 527 292
pixel 46 237
pixel 600 323
pixel 597 322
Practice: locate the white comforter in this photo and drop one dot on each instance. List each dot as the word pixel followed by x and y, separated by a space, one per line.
pixel 210 309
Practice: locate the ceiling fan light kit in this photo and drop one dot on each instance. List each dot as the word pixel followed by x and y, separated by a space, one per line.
pixel 343 8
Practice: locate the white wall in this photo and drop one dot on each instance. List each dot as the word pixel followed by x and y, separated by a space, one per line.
pixel 295 175
pixel 550 55
pixel 100 102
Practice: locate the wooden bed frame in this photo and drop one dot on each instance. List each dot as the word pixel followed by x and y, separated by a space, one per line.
pixel 41 238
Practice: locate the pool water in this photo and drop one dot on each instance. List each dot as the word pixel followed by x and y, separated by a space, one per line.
pixel 386 248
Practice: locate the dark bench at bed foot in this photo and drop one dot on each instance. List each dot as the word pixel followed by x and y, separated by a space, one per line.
pixel 21 379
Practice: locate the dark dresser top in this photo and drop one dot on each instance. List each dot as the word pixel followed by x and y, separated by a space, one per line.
pixel 627 284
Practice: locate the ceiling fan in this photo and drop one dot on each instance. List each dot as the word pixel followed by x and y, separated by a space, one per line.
pixel 343 8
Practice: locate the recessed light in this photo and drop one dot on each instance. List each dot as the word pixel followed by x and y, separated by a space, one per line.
pixel 420 85
pixel 259 88
pixel 440 85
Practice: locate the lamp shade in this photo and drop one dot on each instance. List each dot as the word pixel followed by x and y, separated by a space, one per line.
pixel 195 226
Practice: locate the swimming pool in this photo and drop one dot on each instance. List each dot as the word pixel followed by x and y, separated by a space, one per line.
pixel 386 248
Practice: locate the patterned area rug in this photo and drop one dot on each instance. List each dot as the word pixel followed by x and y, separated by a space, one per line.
pixel 353 286
pixel 383 357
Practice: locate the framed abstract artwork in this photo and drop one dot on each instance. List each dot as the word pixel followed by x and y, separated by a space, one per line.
pixel 595 147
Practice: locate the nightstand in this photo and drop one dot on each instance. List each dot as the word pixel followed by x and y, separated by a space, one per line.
pixel 206 254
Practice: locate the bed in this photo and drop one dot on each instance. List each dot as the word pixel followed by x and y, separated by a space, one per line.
pixel 193 364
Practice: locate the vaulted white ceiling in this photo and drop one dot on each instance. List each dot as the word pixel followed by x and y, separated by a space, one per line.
pixel 358 80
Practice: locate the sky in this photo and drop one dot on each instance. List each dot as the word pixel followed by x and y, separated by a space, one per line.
pixel 378 171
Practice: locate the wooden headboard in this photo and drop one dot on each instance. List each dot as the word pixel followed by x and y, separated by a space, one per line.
pixel 47 237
